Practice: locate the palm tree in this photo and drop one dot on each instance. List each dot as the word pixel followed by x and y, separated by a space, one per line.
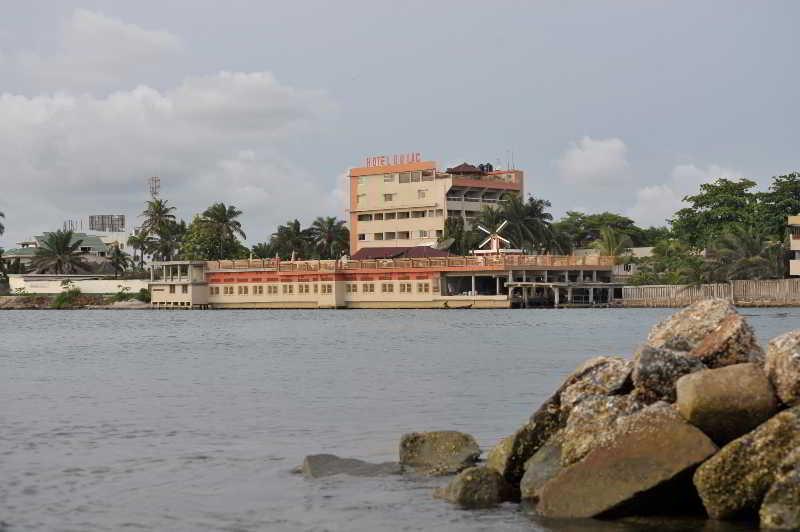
pixel 289 239
pixel 119 260
pixel 57 253
pixel 139 241
pixel 221 220
pixel 490 217
pixel 745 253
pixel 528 222
pixel 263 250
pixel 612 243
pixel 157 214
pixel 330 237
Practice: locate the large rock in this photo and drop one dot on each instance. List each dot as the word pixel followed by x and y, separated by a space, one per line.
pixel 438 453
pixel 711 331
pixel 325 465
pixel 783 366
pixel 653 448
pixel 593 423
pixel 597 376
pixel 656 369
pixel 476 487
pixel 735 480
pixel 541 467
pixel 781 506
pixel 726 402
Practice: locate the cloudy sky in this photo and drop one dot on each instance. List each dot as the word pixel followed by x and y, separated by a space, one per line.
pixel 623 106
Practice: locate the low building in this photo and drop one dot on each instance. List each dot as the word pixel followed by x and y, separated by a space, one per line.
pixel 91 247
pixel 626 268
pixel 486 281
pixel 794 245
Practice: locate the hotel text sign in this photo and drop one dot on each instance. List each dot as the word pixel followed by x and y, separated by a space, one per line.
pixel 388 160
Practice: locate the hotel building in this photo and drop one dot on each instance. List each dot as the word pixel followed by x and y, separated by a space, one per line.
pixel 404 201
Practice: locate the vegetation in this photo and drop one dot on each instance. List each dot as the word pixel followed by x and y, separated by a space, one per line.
pixel 613 243
pixel 57 254
pixel 139 241
pixel 68 297
pixel 221 228
pixel 329 237
pixel 119 260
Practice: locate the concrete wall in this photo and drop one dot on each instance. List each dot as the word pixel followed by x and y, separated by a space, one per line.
pixel 93 286
pixel 779 292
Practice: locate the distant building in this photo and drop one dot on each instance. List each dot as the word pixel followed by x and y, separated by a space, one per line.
pixel 794 244
pixel 404 201
pixel 624 271
pixel 92 247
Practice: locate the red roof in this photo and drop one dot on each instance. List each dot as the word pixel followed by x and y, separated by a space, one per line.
pixel 464 168
pixel 398 252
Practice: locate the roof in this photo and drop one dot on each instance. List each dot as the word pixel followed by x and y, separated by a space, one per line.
pixel 398 252
pixel 464 168
pixel 91 241
pixel 18 252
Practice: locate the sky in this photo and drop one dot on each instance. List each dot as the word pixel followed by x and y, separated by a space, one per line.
pixel 618 105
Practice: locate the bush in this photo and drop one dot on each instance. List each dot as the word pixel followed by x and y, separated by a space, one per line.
pixel 123 294
pixel 67 298
pixel 143 295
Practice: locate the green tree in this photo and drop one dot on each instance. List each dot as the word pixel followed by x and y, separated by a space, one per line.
pixel 330 237
pixel 743 252
pixel 613 243
pixel 221 221
pixel 160 225
pixel 140 242
pixel 584 229
pixel 714 210
pixel 157 214
pixel 119 260
pixel 3 267
pixel 781 201
pixel 57 253
pixel 168 240
pixel 202 242
pixel 290 239
pixel 263 250
pixel 463 240
pixel 528 222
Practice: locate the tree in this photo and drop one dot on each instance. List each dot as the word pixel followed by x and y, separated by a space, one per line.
pixel 57 253
pixel 718 207
pixel 168 241
pixel 613 243
pixel 781 201
pixel 201 242
pixel 157 215
pixel 222 221
pixel 463 240
pixel 119 260
pixel 528 222
pixel 330 237
pixel 3 267
pixel 263 250
pixel 583 229
pixel 744 252
pixel 140 242
pixel 290 239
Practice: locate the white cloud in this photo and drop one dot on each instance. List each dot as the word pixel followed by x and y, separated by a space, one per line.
pixel 657 203
pixel 590 162
pixel 97 51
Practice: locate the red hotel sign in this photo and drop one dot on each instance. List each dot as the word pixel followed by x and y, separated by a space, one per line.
pixel 389 160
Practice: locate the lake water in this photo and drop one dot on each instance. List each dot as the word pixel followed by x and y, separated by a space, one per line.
pixel 136 420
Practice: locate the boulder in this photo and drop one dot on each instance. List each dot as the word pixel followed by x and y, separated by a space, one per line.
pixel 711 331
pixel 656 369
pixel 438 453
pixel 783 366
pixel 593 423
pixel 325 465
pixel 597 376
pixel 541 467
pixel 476 487
pixel 735 480
pixel 653 449
pixel 726 402
pixel 781 506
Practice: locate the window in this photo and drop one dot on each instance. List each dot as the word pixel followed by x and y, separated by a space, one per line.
pixel 288 289
pixel 377 236
pixel 402 216
pixel 439 212
pixel 258 290
pixel 388 197
pixel 416 177
pixel 362 180
pixel 389 235
pixel 316 288
pixel 404 177
pixel 172 289
pixel 364 217
pixel 242 290
pixel 421 193
pixel 435 284
pixel 326 289
pixel 390 216
pixel 423 233
pixel 388 178
pixel 377 216
pixel 423 287
pixel 405 288
pixel 431 213
pixel 369 288
pixel 352 288
pixel 403 235
pixel 418 214
pixel 184 289
pixel 227 290
pixel 439 233
pixel 272 289
pixel 362 236
pixel 215 290
pixel 387 287
pixel 427 175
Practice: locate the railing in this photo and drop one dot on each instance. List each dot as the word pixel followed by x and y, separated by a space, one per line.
pixel 504 262
pixel 750 293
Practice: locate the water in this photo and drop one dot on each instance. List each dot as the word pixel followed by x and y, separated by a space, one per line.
pixel 114 420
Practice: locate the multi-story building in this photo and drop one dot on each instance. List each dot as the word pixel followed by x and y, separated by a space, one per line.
pixel 405 201
pixel 794 244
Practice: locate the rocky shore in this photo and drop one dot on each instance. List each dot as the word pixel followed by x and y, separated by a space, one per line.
pixel 84 301
pixel 700 423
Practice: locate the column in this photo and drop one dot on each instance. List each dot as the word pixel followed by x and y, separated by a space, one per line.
pixel 556 295
pixel 591 296
pixel 152 274
pixel 473 285
pixel 594 276
pixel 497 285
pixel 569 295
pixel 545 276
pixel 566 276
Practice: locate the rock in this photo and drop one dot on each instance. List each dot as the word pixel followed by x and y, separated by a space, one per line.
pixel 783 366
pixel 541 467
pixel 438 453
pixel 655 371
pixel 726 402
pixel 781 506
pixel 597 376
pixel 325 465
pixel 593 423
pixel 653 449
pixel 737 477
pixel 710 330
pixel 476 487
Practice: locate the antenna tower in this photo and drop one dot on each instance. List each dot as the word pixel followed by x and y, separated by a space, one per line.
pixel 154 184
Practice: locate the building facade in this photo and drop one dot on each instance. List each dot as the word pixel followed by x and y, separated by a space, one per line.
pixel 794 245
pixel 405 202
